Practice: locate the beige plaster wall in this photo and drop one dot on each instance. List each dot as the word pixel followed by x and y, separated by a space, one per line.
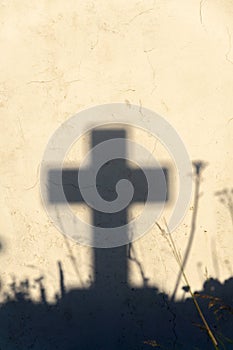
pixel 60 57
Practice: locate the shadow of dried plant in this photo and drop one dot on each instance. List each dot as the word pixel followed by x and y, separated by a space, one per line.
pixel 126 318
pixel 226 198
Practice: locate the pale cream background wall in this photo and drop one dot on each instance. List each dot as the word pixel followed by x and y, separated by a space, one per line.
pixel 59 57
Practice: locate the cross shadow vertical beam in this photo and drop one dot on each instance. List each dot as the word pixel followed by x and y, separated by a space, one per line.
pixel 110 265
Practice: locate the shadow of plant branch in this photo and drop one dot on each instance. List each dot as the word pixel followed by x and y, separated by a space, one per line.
pixel 199 166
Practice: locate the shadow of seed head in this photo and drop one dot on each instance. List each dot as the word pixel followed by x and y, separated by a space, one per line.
pixel 199 166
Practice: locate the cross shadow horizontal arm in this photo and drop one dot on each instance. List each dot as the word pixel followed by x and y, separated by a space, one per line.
pixel 135 176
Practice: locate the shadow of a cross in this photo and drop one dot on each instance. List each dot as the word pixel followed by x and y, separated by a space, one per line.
pixel 110 265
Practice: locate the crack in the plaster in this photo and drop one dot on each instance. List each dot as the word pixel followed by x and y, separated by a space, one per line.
pixel 127 90
pixel 138 15
pixel 41 81
pixel 37 179
pixel 50 81
pixel 150 64
pixel 72 185
pixel 155 145
pixel 72 81
pixel 140 110
pixel 152 68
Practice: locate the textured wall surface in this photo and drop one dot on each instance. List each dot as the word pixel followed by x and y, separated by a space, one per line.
pixel 60 57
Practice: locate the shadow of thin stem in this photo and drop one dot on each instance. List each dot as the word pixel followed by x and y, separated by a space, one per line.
pixel 132 257
pixel 62 282
pixel 42 290
pixel 167 235
pixel 73 260
pixel 198 167
pixel 71 256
